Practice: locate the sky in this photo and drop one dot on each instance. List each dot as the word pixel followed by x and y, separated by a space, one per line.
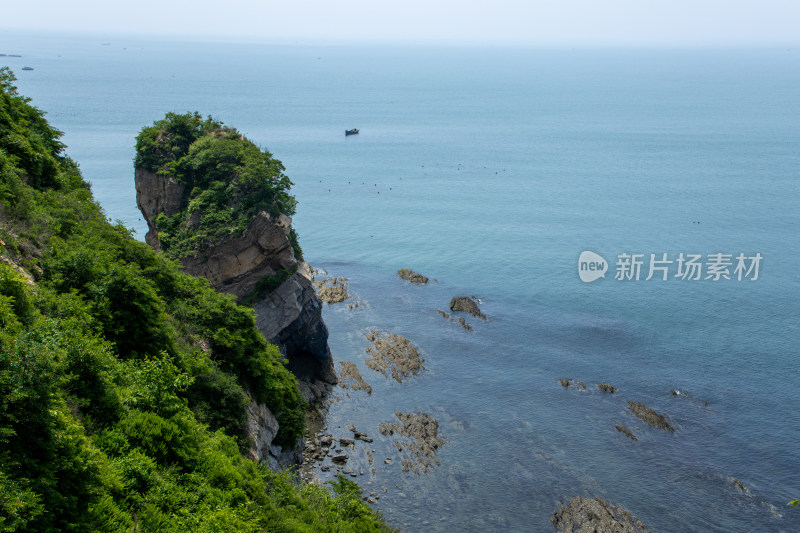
pixel 501 22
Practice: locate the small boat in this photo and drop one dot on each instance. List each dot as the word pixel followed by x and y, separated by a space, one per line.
pixel 27 68
pixel 350 132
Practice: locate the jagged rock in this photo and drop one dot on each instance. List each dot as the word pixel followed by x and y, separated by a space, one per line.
pixel 445 315
pixel 340 458
pixel 332 290
pixel 344 441
pixel 467 305
pixel 564 382
pixel 350 377
pixel 289 317
pixel 411 276
pixel 595 515
pixel 648 415
pixel 605 387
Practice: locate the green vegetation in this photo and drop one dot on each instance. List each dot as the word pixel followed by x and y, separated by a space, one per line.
pixel 122 380
pixel 229 180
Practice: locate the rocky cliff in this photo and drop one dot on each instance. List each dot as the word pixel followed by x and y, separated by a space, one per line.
pixel 289 316
pixel 156 195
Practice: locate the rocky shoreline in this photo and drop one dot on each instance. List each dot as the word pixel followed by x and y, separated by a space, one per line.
pixel 416 440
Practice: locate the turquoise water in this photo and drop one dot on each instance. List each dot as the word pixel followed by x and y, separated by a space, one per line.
pixel 491 171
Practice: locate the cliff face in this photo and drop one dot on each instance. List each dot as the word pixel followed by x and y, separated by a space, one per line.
pixel 289 317
pixel 156 195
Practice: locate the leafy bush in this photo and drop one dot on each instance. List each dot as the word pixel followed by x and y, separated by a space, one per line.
pixel 228 177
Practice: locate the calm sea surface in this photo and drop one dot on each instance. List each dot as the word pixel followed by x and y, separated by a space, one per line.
pixel 490 171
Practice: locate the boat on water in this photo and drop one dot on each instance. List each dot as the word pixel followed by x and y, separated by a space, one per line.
pixel 27 68
pixel 354 131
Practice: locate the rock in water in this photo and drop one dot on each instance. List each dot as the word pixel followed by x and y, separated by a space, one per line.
pixel 350 377
pixel 605 387
pixel 332 290
pixel 411 276
pixel 648 415
pixel 591 515
pixel 423 432
pixel 395 354
pixel 467 305
pixel 627 432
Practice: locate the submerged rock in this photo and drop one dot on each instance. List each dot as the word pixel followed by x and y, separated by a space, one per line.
pixel 423 432
pixel 605 387
pixel 648 415
pixel 627 432
pixel 393 354
pixel 466 305
pixel 595 515
pixel 350 377
pixel 738 484
pixel 411 276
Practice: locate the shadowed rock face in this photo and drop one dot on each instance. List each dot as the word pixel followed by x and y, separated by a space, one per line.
pixel 156 195
pixel 290 316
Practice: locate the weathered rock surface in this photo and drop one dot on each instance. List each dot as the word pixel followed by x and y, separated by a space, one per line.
pixel 393 353
pixel 332 290
pixel 648 415
pixel 423 432
pixel 262 426
pixel 627 432
pixel 413 277
pixel 595 515
pixel 605 387
pixel 466 305
pixel 350 377
pixel 155 195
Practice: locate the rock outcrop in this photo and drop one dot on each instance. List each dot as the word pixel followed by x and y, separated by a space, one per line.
pixel 262 426
pixel 590 515
pixel 413 277
pixel 645 413
pixel 466 305
pixel 290 316
pixel 155 195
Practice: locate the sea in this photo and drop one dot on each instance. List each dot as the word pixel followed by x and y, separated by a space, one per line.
pixel 491 171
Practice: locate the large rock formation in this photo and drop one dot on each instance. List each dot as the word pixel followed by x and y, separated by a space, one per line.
pixel 290 316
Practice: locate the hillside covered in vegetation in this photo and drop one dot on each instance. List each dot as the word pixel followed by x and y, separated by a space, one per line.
pixel 123 381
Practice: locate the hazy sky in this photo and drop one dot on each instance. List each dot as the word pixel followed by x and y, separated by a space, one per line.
pixel 606 22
